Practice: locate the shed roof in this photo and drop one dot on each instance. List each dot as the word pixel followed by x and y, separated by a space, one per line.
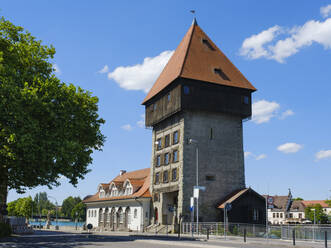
pixel 196 57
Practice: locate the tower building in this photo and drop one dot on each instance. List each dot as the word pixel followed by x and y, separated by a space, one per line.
pixel 199 95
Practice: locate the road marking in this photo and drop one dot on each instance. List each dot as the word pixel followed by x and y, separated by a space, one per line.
pixel 181 243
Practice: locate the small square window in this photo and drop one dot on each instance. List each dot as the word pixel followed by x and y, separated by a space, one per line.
pixel 154 106
pixel 175 156
pixel 166 158
pixel 175 137
pixel 165 176
pixel 210 178
pixel 186 90
pixel 169 97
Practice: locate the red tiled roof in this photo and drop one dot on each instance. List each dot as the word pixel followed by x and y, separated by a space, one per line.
pixel 194 60
pixel 140 179
pixel 321 202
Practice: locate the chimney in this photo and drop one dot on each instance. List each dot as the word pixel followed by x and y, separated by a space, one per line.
pixel 122 172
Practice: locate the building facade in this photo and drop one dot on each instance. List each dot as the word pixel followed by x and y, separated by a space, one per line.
pixel 122 204
pixel 196 109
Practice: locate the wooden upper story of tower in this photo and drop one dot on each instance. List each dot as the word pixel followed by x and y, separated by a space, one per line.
pixel 198 76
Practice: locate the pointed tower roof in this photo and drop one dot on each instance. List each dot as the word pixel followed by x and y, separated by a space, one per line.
pixel 198 58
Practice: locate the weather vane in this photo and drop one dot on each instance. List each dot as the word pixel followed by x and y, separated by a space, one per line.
pixel 193 12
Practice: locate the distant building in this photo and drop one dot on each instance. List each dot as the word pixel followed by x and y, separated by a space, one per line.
pixel 283 210
pixel 326 207
pixel 122 204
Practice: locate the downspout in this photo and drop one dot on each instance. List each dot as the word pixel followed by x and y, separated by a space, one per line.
pixel 142 213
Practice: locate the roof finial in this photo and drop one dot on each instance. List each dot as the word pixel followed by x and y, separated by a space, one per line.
pixel 194 19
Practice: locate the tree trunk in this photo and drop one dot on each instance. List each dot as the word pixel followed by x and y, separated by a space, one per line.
pixel 3 192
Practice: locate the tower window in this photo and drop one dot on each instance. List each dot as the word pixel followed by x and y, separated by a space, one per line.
pixel 219 72
pixel 175 137
pixel 165 176
pixel 167 140
pixel 186 90
pixel 159 144
pixel 207 43
pixel 174 174
pixel 211 133
pixel 210 178
pixel 157 178
pixel 166 158
pixel 175 156
pixel 158 160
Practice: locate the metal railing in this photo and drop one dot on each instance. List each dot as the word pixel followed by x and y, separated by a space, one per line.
pixel 285 232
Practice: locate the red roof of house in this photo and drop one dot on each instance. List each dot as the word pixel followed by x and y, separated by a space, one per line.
pixel 140 179
pixel 321 202
pixel 196 57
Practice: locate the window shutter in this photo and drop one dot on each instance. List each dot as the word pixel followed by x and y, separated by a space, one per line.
pixel 170 175
pixel 177 174
pixel 178 135
pixel 172 139
pixel 161 176
pixel 170 157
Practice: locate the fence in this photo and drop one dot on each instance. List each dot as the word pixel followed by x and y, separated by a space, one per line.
pixel 301 232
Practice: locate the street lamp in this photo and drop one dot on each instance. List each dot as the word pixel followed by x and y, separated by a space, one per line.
pixel 192 141
pixel 56 226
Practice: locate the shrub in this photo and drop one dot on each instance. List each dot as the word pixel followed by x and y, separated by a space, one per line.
pixel 5 230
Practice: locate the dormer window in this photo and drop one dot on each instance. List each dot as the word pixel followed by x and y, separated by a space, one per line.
pixel 220 73
pixel 208 44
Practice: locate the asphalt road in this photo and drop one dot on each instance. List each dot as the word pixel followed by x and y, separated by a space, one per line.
pixel 52 239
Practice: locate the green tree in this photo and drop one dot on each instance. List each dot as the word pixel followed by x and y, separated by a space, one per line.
pixel 12 208
pixel 42 203
pixel 320 216
pixel 79 212
pixel 68 204
pixel 297 199
pixel 48 129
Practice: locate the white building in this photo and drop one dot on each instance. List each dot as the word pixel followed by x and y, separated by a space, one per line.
pixel 283 210
pixel 121 204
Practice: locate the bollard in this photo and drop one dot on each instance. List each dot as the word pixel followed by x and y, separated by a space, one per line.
pixel 326 239
pixel 245 235
pixel 207 233
pixel 293 235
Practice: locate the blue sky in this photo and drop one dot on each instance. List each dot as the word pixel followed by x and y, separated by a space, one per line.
pixel 116 49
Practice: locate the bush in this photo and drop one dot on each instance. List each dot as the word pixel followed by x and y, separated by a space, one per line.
pixel 5 230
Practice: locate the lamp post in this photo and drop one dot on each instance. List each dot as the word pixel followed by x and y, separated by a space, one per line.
pixel 56 226
pixel 192 141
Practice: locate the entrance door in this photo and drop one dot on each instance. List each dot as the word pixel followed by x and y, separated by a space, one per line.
pixel 156 216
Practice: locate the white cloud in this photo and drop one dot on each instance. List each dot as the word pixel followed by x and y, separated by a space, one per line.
pixel 141 122
pixel 266 45
pixel 263 111
pixel 325 11
pixel 323 154
pixel 127 127
pixel 105 69
pixel 289 148
pixel 56 69
pixel 261 156
pixel 247 154
pixel 285 114
pixel 140 76
pixel 252 47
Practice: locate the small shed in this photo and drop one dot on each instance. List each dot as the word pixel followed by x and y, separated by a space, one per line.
pixel 244 206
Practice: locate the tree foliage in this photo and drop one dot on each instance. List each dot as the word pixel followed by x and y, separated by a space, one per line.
pixel 21 207
pixel 48 129
pixel 320 216
pixel 42 203
pixel 68 204
pixel 78 212
pixel 297 199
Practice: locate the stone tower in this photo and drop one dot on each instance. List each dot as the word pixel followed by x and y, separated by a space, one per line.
pixel 199 95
